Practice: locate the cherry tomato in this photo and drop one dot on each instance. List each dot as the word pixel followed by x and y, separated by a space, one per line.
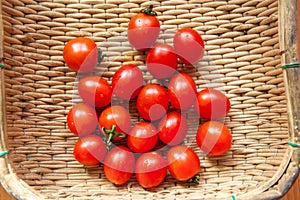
pixel 95 91
pixel 81 54
pixel 162 61
pixel 82 120
pixel 152 102
pixel 214 138
pixel 188 45
pixel 119 165
pixel 142 137
pixel 115 122
pixel 182 91
pixel 90 150
pixel 183 163
pixel 172 128
pixel 127 81
pixel 150 169
pixel 212 104
pixel 143 29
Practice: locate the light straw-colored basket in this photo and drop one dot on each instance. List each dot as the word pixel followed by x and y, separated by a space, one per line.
pixel 247 43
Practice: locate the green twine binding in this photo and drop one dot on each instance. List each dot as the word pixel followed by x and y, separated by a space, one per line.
pixel 3 153
pixel 294 144
pixel 233 197
pixel 2 66
pixel 291 65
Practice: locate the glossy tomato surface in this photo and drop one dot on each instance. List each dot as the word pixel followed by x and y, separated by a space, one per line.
pixel 162 61
pixel 214 138
pixel 182 91
pixel 115 121
pixel 172 128
pixel 150 169
pixel 183 163
pixel 82 120
pixel 119 165
pixel 90 150
pixel 127 81
pixel 188 45
pixel 81 54
pixel 212 104
pixel 95 91
pixel 152 102
pixel 143 29
pixel 142 137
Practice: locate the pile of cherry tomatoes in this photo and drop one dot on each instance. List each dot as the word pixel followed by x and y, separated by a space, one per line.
pixel 125 148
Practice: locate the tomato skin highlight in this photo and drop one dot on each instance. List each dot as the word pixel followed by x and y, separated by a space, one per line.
pixel 90 150
pixel 150 169
pixel 142 137
pixel 127 81
pixel 82 120
pixel 119 165
pixel 183 163
pixel 152 102
pixel 182 91
pixel 81 54
pixel 188 45
pixel 214 138
pixel 162 61
pixel 116 116
pixel 212 104
pixel 95 91
pixel 143 26
pixel 172 128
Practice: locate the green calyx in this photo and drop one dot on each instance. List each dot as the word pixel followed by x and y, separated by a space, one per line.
pixel 195 179
pixel 111 134
pixel 100 56
pixel 149 11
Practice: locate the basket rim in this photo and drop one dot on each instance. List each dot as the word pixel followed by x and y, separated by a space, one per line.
pixel 284 177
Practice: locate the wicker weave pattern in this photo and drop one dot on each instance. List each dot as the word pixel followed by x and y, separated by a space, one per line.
pixel 242 58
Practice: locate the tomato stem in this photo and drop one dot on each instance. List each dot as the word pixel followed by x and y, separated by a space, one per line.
pixel 111 134
pixel 108 140
pixel 194 179
pixel 149 11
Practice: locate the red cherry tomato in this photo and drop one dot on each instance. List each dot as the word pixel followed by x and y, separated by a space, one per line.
pixel 143 29
pixel 172 128
pixel 162 61
pixel 119 165
pixel 151 169
pixel 142 137
pixel 82 120
pixel 127 81
pixel 212 104
pixel 152 102
pixel 90 150
pixel 188 45
pixel 95 91
pixel 182 91
pixel 214 138
pixel 115 122
pixel 183 163
pixel 81 54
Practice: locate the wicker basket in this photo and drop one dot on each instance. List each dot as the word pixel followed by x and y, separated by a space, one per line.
pixel 247 43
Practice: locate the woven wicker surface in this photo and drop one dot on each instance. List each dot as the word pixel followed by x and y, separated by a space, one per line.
pixel 242 59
